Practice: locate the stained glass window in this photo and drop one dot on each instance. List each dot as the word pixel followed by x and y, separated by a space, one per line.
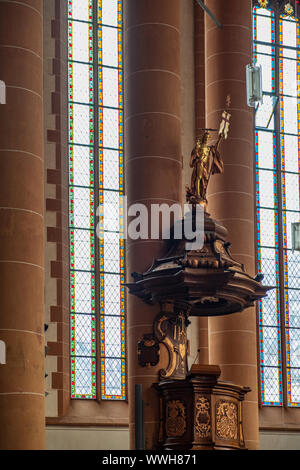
pixel 277 138
pixel 95 84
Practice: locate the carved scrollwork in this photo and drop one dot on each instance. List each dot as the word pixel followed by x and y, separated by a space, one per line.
pixel 175 418
pixel 203 418
pixel 170 329
pixel 226 420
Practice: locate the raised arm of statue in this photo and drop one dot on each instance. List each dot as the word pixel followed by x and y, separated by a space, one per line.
pixel 216 146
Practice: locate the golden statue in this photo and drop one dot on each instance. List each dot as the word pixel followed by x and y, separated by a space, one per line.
pixel 206 161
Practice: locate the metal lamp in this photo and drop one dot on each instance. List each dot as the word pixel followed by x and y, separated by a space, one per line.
pixel 296 236
pixel 2 92
pixel 254 84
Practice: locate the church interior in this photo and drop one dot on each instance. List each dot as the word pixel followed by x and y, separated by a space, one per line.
pixel 114 332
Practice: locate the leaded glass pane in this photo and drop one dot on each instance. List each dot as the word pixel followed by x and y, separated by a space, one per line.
pixel 83 285
pixel 294 308
pixel 111 169
pixel 81 121
pixel 112 304
pixel 271 346
pixel 293 260
pixel 83 377
pixel 111 209
pixel 110 46
pixel 263 25
pixel 289 77
pixel 110 87
pixel 262 12
pixel 82 241
pixel 83 329
pixel 264 113
pixel 268 308
pixel 109 14
pixel 267 232
pixel 80 10
pixel 267 261
pixel 81 198
pixel 271 386
pixel 82 82
pixel 82 164
pixel 267 210
pixel 96 264
pixel 81 35
pixel 114 371
pixel 291 153
pixel 289 33
pixel 288 219
pixel 111 252
pixel 294 386
pixel 112 326
pixel 291 182
pixel 294 346
pixel 266 181
pixel 290 115
pixel 111 135
pixel 267 63
pixel 265 149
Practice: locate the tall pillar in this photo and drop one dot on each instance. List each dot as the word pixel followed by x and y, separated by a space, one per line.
pixel 199 69
pixel 200 124
pixel 232 339
pixel 153 162
pixel 22 413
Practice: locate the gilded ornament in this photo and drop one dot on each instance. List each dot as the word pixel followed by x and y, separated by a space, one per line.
pixel 227 420
pixel 263 3
pixel 289 10
pixel 202 419
pixel 170 329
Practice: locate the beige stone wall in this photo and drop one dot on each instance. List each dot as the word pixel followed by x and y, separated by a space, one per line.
pixel 274 440
pixel 86 438
pixel 97 438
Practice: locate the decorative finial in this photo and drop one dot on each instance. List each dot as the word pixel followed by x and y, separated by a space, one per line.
pixel 263 3
pixel 289 10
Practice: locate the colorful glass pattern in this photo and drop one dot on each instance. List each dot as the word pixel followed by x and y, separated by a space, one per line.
pixel 277 201
pixel 289 90
pixel 95 83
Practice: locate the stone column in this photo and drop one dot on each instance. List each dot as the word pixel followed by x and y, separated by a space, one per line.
pixel 232 339
pixel 200 124
pixel 22 413
pixel 199 69
pixel 153 162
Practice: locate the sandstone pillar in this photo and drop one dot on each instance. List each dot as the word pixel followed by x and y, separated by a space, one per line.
pixel 22 413
pixel 232 339
pixel 153 162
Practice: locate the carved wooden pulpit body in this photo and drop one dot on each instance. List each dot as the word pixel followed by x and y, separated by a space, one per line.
pixel 201 412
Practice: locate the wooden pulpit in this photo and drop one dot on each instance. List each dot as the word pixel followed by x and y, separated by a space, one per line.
pixel 201 412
